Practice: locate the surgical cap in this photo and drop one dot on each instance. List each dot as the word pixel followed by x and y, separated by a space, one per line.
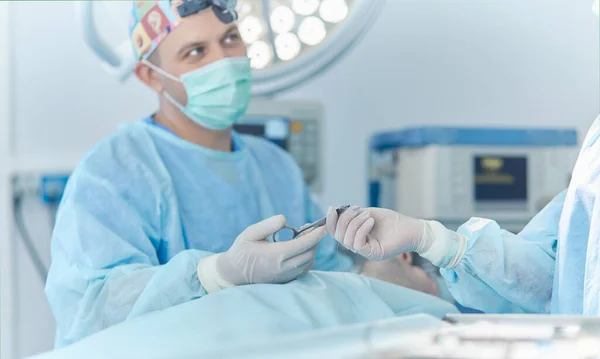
pixel 151 21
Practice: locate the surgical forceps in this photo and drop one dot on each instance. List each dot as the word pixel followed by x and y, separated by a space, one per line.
pixel 320 223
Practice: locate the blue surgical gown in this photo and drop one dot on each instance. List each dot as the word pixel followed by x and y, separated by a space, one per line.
pixel 144 206
pixel 552 266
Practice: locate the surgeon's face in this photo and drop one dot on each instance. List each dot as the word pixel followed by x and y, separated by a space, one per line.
pixel 198 41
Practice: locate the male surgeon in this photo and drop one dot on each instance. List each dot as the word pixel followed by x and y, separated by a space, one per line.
pixel 552 266
pixel 177 206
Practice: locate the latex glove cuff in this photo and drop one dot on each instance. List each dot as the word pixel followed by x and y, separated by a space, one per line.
pixel 209 276
pixel 441 246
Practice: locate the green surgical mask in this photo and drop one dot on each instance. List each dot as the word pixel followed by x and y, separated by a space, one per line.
pixel 217 94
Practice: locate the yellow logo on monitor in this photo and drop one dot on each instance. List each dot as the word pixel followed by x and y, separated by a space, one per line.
pixel 492 164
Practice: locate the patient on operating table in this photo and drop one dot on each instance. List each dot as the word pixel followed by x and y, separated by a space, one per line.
pixel 264 312
pixel 408 270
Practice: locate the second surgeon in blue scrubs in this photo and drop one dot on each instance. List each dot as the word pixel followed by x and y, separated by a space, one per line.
pixel 177 206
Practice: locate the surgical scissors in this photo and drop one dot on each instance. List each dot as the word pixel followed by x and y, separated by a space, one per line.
pixel 320 223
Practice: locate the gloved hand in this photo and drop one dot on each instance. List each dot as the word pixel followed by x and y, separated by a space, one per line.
pixel 253 259
pixel 377 234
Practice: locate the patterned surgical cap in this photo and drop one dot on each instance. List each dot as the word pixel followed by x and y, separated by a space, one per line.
pixel 151 21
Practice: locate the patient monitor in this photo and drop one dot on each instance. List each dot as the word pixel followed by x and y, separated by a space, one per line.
pixel 452 174
pixel 295 126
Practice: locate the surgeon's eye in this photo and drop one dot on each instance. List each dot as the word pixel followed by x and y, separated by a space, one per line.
pixel 198 51
pixel 232 38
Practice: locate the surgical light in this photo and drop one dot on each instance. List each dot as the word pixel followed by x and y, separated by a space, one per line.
pixel 289 29
pixel 287 46
pixel 305 7
pixel 333 11
pixel 312 31
pixel 283 19
pixel 260 54
pixel 251 28
pixel 245 8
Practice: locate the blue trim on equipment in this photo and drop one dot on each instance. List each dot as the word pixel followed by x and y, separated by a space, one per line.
pixel 465 136
pixel 374 191
pixel 52 187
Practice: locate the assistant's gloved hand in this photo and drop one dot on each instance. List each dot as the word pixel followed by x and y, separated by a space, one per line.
pixel 377 233
pixel 253 259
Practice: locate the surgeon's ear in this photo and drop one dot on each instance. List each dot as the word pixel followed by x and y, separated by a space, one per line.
pixel 148 76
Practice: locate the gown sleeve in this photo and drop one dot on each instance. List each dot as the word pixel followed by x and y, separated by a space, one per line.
pixel 506 273
pixel 105 267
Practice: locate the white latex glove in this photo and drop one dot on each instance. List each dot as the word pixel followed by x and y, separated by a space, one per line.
pixel 377 234
pixel 253 259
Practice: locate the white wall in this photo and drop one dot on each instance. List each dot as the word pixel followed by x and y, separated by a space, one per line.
pixel 35 324
pixel 470 62
pixel 478 62
pixel 6 243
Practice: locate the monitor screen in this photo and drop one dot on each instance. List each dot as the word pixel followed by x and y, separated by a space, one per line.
pixel 500 178
pixel 250 129
pixel 274 129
